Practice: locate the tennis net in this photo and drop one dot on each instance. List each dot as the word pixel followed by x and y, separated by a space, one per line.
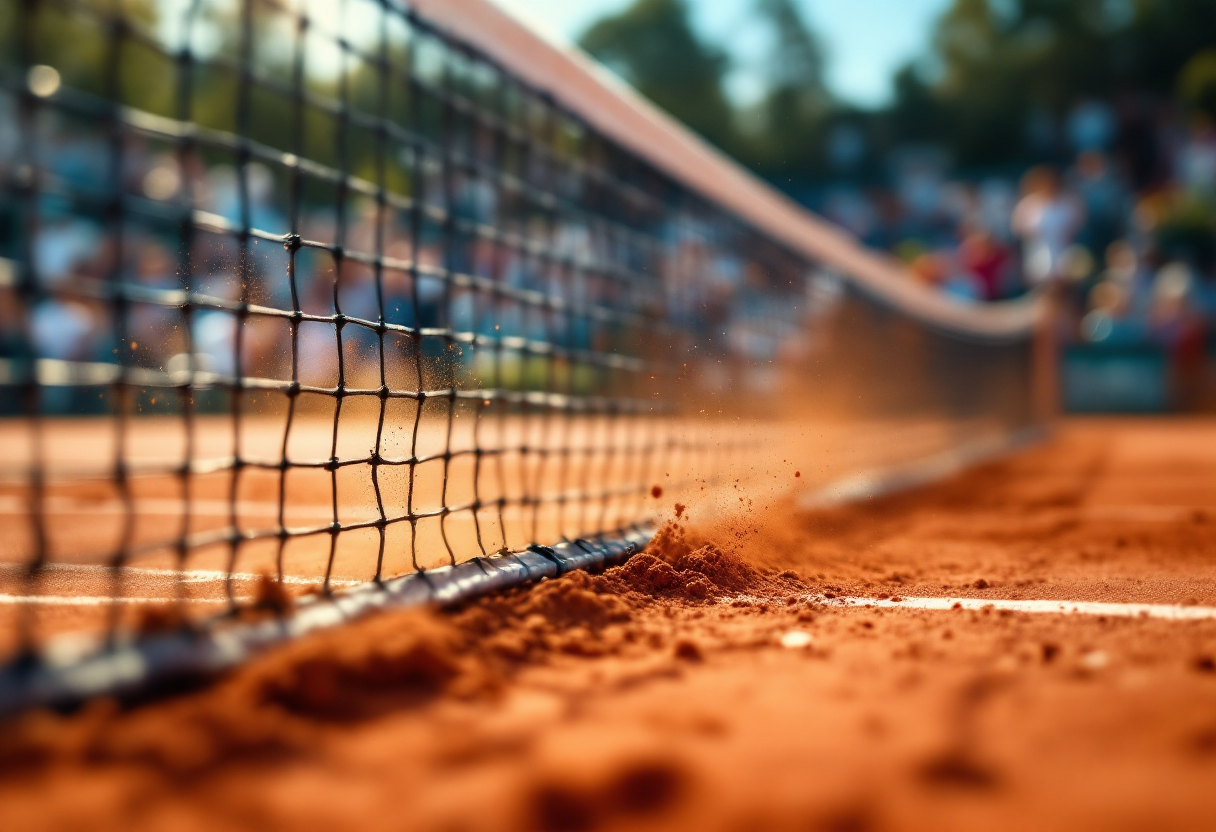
pixel 301 296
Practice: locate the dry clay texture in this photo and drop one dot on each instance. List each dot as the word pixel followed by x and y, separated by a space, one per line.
pixel 713 682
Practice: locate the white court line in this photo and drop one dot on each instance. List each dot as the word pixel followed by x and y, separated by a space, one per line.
pixel 198 576
pixel 1169 612
pixel 163 507
pixel 188 576
pixel 98 601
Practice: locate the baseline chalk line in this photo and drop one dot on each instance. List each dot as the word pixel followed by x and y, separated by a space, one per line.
pixel 1169 612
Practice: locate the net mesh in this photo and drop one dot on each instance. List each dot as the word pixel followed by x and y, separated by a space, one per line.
pixel 282 296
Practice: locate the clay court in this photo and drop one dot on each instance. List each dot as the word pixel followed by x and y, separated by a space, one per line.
pixel 406 423
pixel 878 665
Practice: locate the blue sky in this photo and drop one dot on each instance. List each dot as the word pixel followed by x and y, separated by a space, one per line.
pixel 867 40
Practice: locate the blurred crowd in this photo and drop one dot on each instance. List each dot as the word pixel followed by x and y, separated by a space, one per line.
pixel 574 285
pixel 1127 235
pixel 1110 199
pixel 1124 223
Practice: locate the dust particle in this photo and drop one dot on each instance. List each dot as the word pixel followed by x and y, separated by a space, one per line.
pixel 645 788
pixel 656 492
pixel 689 651
pixel 958 770
pixel 559 809
pixel 1095 660
pixel 1204 741
pixel 271 594
pixel 1204 664
pixel 158 619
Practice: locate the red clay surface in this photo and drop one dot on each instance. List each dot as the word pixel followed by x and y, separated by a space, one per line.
pixel 703 685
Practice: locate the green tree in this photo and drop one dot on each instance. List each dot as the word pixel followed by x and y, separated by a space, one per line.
pixel 653 46
pixel 1197 83
pixel 994 63
pixel 786 142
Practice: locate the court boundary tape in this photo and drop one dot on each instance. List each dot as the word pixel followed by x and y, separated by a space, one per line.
pixel 73 669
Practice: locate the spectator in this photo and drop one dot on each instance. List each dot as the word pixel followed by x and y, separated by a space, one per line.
pixel 929 269
pixel 1105 198
pixel 997 199
pixel 1091 126
pixel 1177 326
pixel 1112 318
pixel 1173 320
pixel 1047 219
pixel 1196 164
pixel 987 261
pixel 1124 269
pixel 941 270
